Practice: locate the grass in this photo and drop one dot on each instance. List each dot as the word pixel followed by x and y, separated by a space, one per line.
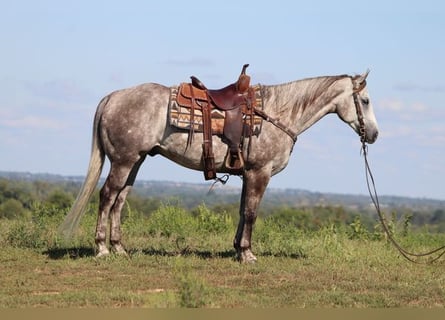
pixel 185 261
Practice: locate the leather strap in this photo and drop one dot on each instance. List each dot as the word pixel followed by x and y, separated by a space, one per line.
pixel 207 147
pixel 192 118
pixel 277 124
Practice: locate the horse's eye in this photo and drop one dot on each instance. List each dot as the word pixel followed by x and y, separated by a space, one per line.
pixel 365 100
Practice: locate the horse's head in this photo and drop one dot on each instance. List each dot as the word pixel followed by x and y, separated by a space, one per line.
pixel 357 110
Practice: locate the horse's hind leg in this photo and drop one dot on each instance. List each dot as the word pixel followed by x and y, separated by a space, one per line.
pixel 115 228
pixel 112 198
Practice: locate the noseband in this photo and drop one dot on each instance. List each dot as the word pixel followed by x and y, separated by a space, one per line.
pixel 355 94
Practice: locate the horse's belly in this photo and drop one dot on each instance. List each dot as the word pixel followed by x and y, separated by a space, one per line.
pixel 176 149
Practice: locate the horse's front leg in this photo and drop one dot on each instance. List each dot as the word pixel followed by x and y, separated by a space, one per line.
pixel 254 185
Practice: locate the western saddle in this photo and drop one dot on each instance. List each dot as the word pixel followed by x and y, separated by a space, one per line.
pixel 235 100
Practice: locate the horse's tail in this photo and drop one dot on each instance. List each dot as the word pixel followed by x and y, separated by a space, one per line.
pixel 97 158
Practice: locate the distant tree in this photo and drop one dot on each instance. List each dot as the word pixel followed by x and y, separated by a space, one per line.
pixel 288 216
pixel 18 190
pixel 11 208
pixel 60 199
pixel 41 189
pixel 141 204
pixel 438 216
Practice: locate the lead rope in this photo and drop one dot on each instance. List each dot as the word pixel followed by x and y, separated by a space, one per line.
pixel 373 191
pixel 375 200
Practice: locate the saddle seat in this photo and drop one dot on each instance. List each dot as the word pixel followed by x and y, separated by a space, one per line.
pixel 229 97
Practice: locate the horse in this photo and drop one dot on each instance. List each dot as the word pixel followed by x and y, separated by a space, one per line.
pixel 131 124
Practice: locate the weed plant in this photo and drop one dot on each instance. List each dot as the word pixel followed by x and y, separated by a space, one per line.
pixel 171 228
pixel 181 258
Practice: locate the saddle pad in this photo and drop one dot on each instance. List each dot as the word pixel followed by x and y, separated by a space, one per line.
pixel 179 116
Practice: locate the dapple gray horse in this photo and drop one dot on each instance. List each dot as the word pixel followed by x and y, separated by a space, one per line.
pixel 132 123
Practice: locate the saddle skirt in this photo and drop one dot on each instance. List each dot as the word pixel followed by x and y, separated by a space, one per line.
pixel 180 109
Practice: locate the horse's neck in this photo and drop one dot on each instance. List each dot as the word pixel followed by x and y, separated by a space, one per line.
pixel 302 103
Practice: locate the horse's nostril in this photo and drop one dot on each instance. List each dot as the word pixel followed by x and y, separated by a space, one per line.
pixel 373 137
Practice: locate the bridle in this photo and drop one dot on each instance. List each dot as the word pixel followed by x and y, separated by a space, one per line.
pixel 413 257
pixel 358 108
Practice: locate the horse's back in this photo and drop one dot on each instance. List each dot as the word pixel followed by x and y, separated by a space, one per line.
pixel 139 95
pixel 135 104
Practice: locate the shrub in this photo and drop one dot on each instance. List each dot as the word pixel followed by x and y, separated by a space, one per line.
pixel 39 230
pixel 193 292
pixel 171 221
pixel 209 222
pixel 11 209
pixel 23 234
pixel 272 238
pixel 60 199
pixel 357 230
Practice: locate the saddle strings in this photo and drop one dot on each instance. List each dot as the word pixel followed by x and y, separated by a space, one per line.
pixel 223 180
pixel 375 200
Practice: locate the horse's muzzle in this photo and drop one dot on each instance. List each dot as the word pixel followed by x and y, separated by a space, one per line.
pixel 371 137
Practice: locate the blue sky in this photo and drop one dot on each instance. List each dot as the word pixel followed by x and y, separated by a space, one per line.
pixel 58 59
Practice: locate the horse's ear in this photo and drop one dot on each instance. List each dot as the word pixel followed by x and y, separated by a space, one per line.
pixel 360 79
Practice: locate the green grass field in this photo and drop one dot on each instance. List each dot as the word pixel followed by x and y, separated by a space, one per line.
pixel 181 260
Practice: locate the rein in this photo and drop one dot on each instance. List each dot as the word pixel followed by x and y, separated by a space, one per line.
pixel 410 256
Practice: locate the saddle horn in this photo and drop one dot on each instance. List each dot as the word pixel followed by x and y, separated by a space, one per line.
pixel 243 81
pixel 244 68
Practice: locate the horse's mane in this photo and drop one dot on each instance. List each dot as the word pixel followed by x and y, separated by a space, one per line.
pixel 314 91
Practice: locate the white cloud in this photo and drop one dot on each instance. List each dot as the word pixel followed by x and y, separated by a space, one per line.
pixel 417 134
pixel 61 91
pixel 400 106
pixel 418 107
pixel 32 122
pixel 398 131
pixel 411 87
pixel 434 136
pixel 390 104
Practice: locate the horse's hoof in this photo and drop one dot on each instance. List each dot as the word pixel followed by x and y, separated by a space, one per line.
pixel 119 250
pixel 103 253
pixel 102 250
pixel 246 256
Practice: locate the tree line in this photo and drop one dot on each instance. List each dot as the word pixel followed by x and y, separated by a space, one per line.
pixel 18 198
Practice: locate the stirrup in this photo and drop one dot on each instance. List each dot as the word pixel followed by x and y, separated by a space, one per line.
pixel 234 161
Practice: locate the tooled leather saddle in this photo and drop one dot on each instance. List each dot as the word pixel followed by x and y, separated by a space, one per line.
pixel 235 104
